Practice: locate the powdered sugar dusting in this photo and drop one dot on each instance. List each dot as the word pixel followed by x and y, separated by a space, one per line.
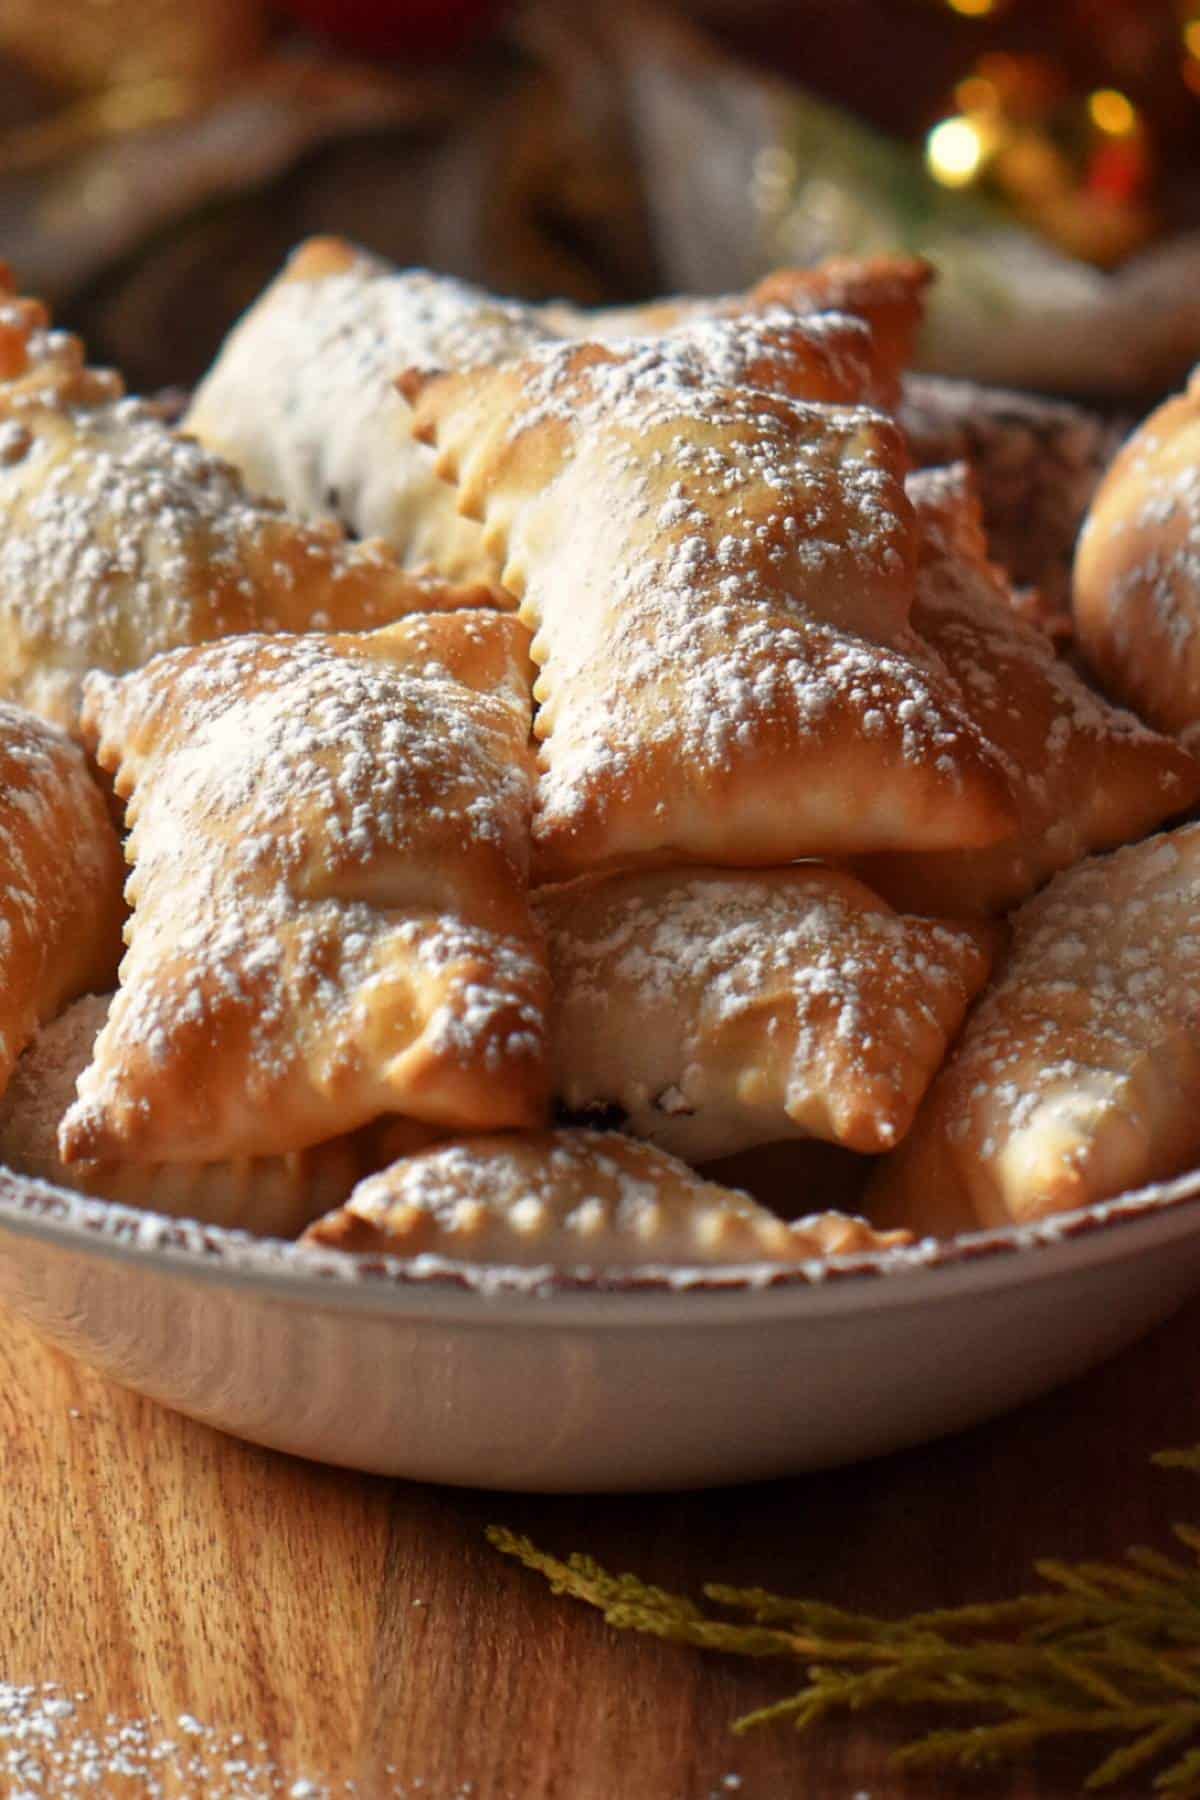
pixel 35 359
pixel 303 814
pixel 1075 1077
pixel 1156 539
pixel 108 519
pixel 1121 935
pixel 120 538
pixel 1137 569
pixel 303 399
pixel 55 1744
pixel 717 577
pixel 60 895
pixel 1085 775
pixel 816 356
pixel 572 1199
pixel 967 601
pixel 717 1012
pixel 47 798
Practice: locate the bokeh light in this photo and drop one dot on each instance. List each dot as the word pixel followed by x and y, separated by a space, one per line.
pixel 954 151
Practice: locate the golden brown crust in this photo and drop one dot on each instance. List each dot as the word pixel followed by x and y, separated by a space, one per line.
pixel 319 258
pixel 272 1196
pixel 329 839
pixel 1137 569
pixel 824 358
pixel 301 397
pixel 719 582
pixel 712 1010
pixel 1086 777
pixel 60 880
pixel 1077 1075
pixel 120 538
pixel 885 294
pixel 573 1199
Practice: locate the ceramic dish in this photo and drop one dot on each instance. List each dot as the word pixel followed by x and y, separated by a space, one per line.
pixel 525 1379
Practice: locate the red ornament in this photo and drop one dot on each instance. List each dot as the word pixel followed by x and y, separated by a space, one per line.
pixel 401 30
pixel 1118 172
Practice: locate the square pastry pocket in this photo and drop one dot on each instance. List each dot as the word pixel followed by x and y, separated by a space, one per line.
pixel 329 839
pixel 719 582
pixel 710 1010
pixel 1077 1076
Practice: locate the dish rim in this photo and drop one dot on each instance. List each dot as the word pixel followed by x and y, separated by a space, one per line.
pixel 191 1250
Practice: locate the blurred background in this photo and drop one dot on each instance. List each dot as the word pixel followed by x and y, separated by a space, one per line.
pixel 158 160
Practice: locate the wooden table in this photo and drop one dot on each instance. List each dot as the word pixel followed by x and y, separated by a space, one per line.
pixel 365 1631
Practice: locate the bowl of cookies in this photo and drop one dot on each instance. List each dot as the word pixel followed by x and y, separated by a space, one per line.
pixel 586 907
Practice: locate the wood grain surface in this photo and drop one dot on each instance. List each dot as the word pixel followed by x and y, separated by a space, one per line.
pixel 365 1632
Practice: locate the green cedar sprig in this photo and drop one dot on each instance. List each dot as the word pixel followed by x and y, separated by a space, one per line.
pixel 1104 1651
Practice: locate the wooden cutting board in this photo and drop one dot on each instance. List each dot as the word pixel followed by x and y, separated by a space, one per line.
pixel 343 1629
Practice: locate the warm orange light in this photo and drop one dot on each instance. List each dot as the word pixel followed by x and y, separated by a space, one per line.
pixel 1191 38
pixel 976 94
pixel 972 9
pixel 1112 113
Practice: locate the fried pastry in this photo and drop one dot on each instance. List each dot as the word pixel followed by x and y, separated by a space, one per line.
pixel 1086 776
pixel 36 359
pixel 302 397
pixel 274 1196
pixel 1036 464
pixel 328 838
pixel 120 538
pixel 719 583
pixel 829 358
pixel 574 1199
pixel 884 294
pixel 60 880
pixel 1077 1076
pixel 1137 569
pixel 712 1010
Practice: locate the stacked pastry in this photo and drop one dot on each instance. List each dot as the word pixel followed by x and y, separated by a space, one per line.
pixel 705 1005
pixel 665 761
pixel 120 539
